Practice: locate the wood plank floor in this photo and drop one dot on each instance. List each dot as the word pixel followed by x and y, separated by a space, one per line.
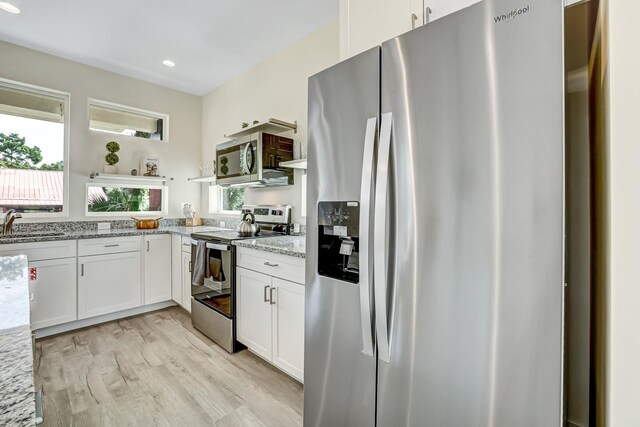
pixel 156 369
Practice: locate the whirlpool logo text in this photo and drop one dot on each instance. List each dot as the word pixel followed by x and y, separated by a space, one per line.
pixel 506 17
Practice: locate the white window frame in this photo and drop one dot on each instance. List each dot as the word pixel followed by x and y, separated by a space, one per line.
pixel 216 203
pixel 165 200
pixel 128 109
pixel 66 98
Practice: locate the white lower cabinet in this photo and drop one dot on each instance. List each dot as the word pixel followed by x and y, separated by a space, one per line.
pixel 109 283
pixel 254 311
pixel 53 292
pixel 157 268
pixel 271 319
pixel 288 326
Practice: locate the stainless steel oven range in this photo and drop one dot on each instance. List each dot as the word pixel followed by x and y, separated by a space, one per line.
pixel 213 285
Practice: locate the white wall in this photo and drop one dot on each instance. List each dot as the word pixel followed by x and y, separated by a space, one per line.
pixel 275 88
pixel 624 211
pixel 179 158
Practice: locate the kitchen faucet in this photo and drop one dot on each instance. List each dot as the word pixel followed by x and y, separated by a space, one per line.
pixel 9 217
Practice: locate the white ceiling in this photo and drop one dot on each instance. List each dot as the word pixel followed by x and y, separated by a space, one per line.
pixel 211 41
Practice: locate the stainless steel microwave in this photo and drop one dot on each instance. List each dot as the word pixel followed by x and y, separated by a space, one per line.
pixel 254 160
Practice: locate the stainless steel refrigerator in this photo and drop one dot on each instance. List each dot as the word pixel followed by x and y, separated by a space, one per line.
pixel 434 281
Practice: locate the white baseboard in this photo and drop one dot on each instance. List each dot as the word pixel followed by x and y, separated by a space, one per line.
pixel 66 327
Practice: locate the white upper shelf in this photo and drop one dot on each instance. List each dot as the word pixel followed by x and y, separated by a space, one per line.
pixel 208 178
pixel 295 164
pixel 273 126
pixel 95 176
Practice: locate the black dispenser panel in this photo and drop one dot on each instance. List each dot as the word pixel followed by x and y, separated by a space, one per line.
pixel 338 240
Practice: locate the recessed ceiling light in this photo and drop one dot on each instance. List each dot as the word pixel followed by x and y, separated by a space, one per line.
pixel 8 7
pixel 168 63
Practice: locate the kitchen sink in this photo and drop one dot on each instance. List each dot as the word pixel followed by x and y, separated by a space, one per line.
pixel 27 235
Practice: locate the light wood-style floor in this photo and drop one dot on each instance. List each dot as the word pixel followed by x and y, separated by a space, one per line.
pixel 156 369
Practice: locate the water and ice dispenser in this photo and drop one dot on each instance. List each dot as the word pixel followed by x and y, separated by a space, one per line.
pixel 338 240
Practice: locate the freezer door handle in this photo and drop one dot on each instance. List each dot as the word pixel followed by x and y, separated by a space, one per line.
pixel 365 217
pixel 380 258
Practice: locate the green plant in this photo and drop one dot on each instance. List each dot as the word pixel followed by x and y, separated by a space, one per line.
pixel 121 200
pixel 245 125
pixel 113 147
pixel 112 159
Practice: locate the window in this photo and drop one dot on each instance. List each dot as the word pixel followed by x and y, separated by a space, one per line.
pixel 129 121
pixel 226 200
pixel 231 199
pixel 125 200
pixel 34 140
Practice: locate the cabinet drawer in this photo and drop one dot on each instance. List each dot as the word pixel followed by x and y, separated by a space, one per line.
pixel 109 245
pixel 39 251
pixel 277 265
pixel 186 244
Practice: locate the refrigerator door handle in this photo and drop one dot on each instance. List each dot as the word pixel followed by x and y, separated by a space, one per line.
pixel 365 211
pixel 380 242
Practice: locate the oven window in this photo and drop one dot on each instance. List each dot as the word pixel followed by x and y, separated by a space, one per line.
pixel 216 291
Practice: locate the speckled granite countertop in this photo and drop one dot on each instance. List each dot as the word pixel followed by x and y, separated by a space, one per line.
pixel 17 398
pixel 114 232
pixel 284 245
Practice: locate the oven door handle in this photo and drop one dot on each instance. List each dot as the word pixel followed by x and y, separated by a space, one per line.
pixel 218 246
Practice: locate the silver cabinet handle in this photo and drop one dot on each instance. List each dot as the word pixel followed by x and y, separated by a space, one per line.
pixel 32 297
pixel 380 258
pixel 147 246
pixel 189 266
pixel 268 264
pixel 366 319
pixel 81 269
pixel 271 301
pixel 112 246
pixel 218 246
pixel 266 298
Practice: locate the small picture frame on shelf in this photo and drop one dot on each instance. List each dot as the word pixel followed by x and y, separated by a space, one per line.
pixel 149 166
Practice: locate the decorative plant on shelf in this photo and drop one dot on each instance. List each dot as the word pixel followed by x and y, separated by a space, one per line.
pixel 112 158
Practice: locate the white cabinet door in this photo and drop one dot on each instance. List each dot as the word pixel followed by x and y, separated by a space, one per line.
pixel 371 22
pixel 157 268
pixel 254 311
pixel 109 283
pixel 288 327
pixel 54 292
pixel 186 281
pixel 440 8
pixel 176 269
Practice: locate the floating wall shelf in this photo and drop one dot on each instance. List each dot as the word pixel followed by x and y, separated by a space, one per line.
pixel 295 164
pixel 273 126
pixel 116 177
pixel 209 178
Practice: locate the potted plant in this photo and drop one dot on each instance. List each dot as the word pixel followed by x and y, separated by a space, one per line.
pixel 112 158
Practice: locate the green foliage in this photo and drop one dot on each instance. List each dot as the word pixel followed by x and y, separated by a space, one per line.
pixel 57 166
pixel 121 200
pixel 113 147
pixel 112 159
pixel 141 134
pixel 16 154
pixel 232 199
